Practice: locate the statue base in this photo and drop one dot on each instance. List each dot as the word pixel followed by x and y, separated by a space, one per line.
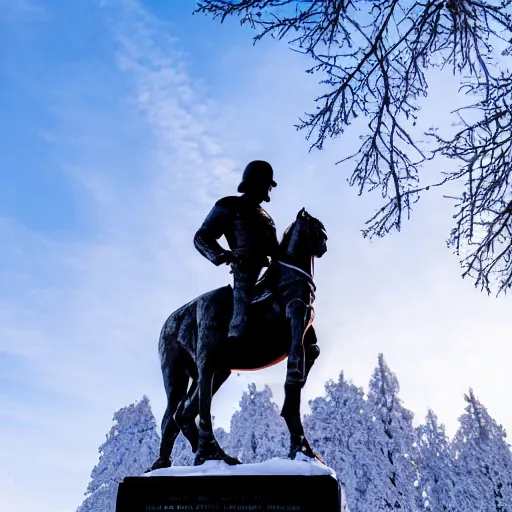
pixel 277 485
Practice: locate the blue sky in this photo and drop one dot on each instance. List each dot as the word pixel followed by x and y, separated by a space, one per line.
pixel 123 121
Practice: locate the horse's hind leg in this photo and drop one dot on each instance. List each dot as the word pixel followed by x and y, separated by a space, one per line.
pixel 208 448
pixel 189 408
pixel 176 381
pixel 185 417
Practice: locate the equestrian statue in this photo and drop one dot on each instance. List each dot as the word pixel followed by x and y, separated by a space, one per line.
pixel 251 325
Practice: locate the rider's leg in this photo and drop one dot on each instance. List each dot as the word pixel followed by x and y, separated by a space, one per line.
pixel 244 281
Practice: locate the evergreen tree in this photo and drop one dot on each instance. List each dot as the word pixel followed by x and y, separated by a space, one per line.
pixel 182 452
pixel 130 448
pixel 483 465
pixel 435 459
pixel 390 440
pixel 336 427
pixel 257 431
pixel 222 437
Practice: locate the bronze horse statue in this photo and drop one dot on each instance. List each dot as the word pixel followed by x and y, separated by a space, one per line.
pixel 196 358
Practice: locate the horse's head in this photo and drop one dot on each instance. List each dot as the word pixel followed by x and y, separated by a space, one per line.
pixel 306 234
pixel 313 231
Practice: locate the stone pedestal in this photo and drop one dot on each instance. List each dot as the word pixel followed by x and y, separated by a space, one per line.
pixel 273 486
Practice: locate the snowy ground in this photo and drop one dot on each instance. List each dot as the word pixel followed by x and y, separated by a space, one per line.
pixel 269 467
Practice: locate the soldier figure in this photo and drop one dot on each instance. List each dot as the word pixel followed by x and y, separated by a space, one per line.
pixel 250 233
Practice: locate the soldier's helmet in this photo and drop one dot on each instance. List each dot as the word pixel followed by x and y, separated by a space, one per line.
pixel 258 175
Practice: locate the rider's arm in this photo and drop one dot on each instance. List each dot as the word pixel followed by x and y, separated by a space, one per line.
pixel 213 227
pixel 274 245
pixel 272 242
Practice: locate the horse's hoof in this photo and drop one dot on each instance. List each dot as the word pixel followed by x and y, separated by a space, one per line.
pixel 220 456
pixel 319 459
pixel 304 455
pixel 310 457
pixel 160 463
pixel 301 446
pixel 198 460
pixel 203 456
pixel 232 461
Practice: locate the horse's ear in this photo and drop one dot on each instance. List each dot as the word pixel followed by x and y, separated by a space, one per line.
pixel 301 213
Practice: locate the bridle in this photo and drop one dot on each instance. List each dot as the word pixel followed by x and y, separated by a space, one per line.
pixel 297 269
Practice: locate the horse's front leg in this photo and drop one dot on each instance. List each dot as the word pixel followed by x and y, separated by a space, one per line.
pixel 207 446
pixel 311 350
pixel 299 315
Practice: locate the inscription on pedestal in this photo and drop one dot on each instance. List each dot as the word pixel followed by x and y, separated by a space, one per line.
pixel 278 493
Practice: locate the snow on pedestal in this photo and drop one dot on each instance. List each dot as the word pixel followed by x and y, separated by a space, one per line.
pixel 270 467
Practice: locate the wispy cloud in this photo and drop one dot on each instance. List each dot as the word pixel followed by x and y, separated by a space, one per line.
pixel 82 317
pixel 185 123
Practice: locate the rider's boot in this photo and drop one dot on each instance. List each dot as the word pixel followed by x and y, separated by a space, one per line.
pixel 241 302
pixel 244 281
pixel 237 328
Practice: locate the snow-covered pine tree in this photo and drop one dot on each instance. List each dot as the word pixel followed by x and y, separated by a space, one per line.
pixel 336 427
pixel 130 448
pixel 257 431
pixel 222 437
pixel 182 452
pixel 483 462
pixel 435 460
pixel 390 441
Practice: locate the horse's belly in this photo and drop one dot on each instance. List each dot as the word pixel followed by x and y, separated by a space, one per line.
pixel 254 365
pixel 266 345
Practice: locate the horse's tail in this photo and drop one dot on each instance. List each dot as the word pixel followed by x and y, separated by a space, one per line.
pixel 179 332
pixel 177 370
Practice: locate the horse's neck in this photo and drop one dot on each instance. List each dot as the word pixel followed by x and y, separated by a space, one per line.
pixel 295 251
pixel 299 259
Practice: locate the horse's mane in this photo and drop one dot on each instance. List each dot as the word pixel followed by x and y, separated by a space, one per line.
pixel 286 236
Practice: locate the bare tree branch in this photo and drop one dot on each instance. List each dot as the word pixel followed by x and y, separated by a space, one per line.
pixel 372 57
